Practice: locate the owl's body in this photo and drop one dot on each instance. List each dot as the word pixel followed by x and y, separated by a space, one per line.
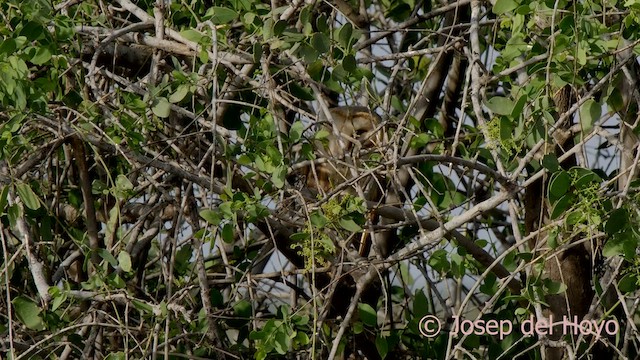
pixel 354 135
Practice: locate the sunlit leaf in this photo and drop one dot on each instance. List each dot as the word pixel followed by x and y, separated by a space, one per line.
pixel 220 15
pixel 211 216
pixel 161 107
pixel 28 313
pixel 503 6
pixel 350 225
pixel 124 260
pixel 500 105
pixel 180 93
pixel 589 113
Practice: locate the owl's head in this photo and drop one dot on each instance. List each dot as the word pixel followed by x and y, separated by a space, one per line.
pixel 351 129
pixel 351 126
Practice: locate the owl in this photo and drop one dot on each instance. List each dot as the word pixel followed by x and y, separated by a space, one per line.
pixel 351 129
pixel 354 137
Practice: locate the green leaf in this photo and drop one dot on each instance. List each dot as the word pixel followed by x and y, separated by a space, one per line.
pixel 519 106
pixel 279 27
pixel 317 219
pixel 33 30
pixel 300 320
pixel 112 222
pixel 439 262
pixel 295 132
pixel 420 304
pixel 257 335
pixel 628 283
pixel 180 93
pixel 28 313
pixel 503 6
pixel 350 225
pixel 123 186
pixel 589 113
pixel 142 306
pixel 105 254
pixel 7 46
pixel 321 134
pixel 622 244
pixel 344 34
pixel 399 11
pixel 245 160
pixel 211 216
pixel 226 210
pixel 161 107
pixel 585 178
pixel 575 217
pixel 420 140
pixel 550 162
pixel 203 56
pixel 367 314
pixel 382 346
pixel 506 129
pixel 433 126
pixel 257 52
pixel 242 308
pixel 322 23
pixel 299 236
pixel 13 213
pixel 267 29
pixel 554 287
pixel 302 338
pixel 58 299
pixel 302 93
pixel 28 197
pixel 552 239
pixel 489 286
pixel 614 100
pixel 20 98
pixel 192 35
pixel 563 204
pixel 500 105
pixel 282 341
pixel 279 176
pixel 560 183
pixel 183 257
pixel 305 14
pixel 349 63
pixel 320 42
pixel 260 354
pixel 308 53
pixel 617 221
pixel 220 15
pixel 228 232
pixel 358 328
pixel 116 281
pixel 125 261
pixel 41 56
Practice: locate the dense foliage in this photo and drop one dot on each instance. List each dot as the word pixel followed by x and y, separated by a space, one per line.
pixel 154 159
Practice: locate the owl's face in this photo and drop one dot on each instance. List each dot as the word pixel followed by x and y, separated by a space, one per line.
pixel 351 129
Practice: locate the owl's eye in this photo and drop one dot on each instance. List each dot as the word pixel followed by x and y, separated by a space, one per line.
pixel 360 132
